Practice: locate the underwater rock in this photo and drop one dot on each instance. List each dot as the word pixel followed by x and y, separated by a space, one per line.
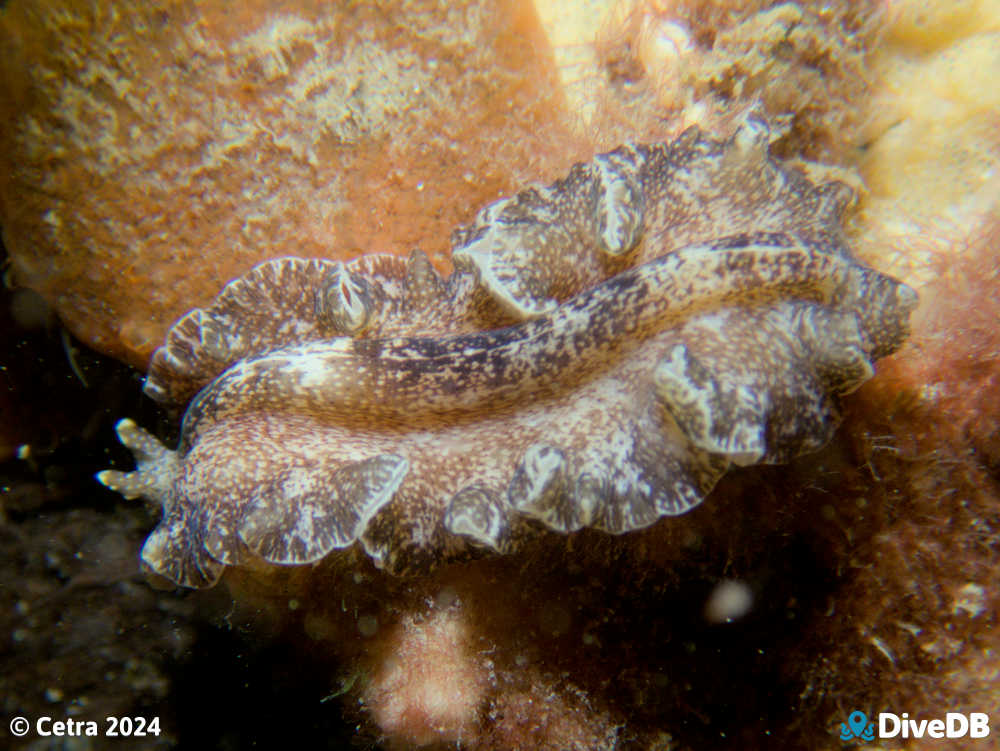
pixel 805 65
pixel 155 150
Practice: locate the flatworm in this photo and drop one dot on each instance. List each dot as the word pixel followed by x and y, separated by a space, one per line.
pixel 606 348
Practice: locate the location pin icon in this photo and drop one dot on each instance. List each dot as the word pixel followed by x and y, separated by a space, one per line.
pixel 857 721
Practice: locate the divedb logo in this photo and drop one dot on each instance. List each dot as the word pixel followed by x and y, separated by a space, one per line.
pixel 890 725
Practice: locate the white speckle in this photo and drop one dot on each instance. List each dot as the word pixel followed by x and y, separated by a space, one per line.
pixel 729 601
pixel 882 647
pixel 971 599
pixel 663 45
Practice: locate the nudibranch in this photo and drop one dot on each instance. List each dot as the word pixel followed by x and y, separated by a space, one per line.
pixel 605 349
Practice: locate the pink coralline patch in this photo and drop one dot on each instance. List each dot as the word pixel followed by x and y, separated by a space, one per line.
pixel 430 679
pixel 916 624
pixel 949 375
pixel 959 367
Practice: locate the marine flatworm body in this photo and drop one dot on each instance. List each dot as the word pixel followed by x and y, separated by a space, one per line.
pixel 606 348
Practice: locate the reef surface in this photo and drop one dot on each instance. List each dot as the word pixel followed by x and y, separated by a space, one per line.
pixel 859 576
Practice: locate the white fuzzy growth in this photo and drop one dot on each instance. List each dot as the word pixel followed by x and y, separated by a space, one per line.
pixel 430 681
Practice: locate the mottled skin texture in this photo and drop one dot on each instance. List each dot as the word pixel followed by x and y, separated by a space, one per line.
pixel 672 309
pixel 637 203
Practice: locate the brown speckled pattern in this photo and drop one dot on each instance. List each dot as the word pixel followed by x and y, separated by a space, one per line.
pixel 608 346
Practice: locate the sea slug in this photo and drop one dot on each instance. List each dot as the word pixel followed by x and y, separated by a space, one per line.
pixel 605 349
